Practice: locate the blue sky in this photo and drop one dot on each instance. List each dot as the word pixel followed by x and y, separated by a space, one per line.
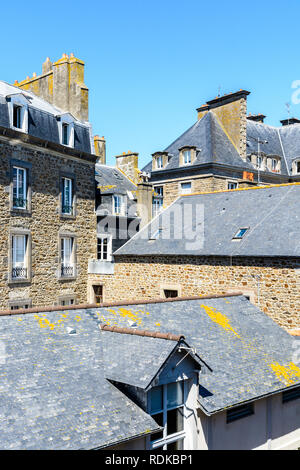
pixel 150 64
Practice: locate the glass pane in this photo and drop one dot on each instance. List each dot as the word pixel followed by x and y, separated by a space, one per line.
pixel 156 397
pixel 177 445
pixel 159 419
pixel 174 394
pixel 174 421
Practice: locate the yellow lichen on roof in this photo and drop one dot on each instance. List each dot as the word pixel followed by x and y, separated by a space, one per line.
pixel 286 374
pixel 219 318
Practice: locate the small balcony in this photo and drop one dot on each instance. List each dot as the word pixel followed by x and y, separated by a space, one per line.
pixel 19 203
pixel 19 273
pixel 67 271
pixel 97 266
pixel 67 210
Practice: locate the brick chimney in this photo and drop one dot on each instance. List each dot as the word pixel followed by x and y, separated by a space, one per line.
pixel 61 84
pixel 100 149
pixel 128 164
pixel 231 112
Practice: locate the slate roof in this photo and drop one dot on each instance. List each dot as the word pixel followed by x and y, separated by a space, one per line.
pixel 249 354
pixel 205 224
pixel 212 143
pixel 135 360
pixel 53 390
pixel 208 135
pixel 42 120
pixel 111 180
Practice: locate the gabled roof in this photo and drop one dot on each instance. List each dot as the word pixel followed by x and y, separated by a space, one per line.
pixel 136 360
pixel 206 224
pixel 111 180
pixel 249 354
pixel 53 389
pixel 213 145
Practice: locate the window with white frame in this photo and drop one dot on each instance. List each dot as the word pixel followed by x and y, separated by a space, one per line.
pixel 118 205
pixel 232 185
pixel 159 162
pixel 67 196
pixel 65 134
pixel 19 188
pixel 259 162
pixel 187 157
pixel 19 258
pixel 17 116
pixel 104 247
pixel 157 200
pixel 166 406
pixel 186 188
pixel 67 257
pixel 298 167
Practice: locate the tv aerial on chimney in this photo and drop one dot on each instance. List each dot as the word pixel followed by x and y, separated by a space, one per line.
pixel 288 107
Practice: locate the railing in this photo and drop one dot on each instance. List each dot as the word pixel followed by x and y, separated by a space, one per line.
pixel 19 273
pixel 19 203
pixel 67 271
pixel 67 209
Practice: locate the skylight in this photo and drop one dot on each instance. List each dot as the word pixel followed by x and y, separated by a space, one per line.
pixel 241 233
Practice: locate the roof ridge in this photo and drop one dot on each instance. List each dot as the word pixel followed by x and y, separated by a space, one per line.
pixel 58 308
pixel 241 189
pixel 148 333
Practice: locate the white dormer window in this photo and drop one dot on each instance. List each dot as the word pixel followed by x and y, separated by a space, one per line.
pixel 298 167
pixel 274 164
pixel 66 130
pixel 18 112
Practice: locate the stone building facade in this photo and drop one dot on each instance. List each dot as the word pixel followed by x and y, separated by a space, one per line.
pixel 47 202
pixel 272 285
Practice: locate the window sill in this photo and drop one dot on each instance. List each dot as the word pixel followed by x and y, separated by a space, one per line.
pixel 20 211
pixel 67 216
pixel 19 281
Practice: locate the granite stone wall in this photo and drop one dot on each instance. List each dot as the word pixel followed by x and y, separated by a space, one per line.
pixel 44 224
pixel 272 284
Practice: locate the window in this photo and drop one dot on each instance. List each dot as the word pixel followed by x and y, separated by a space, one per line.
pixel 20 304
pixel 290 395
pixel 259 162
pixel 17 114
pixel 298 167
pixel 67 196
pixel 170 293
pixel 239 412
pixel 118 205
pixel 273 164
pixel 67 264
pixel 187 157
pixel 65 134
pixel 186 188
pixel 68 300
pixel 98 294
pixel 158 200
pixel 19 188
pixel 19 258
pixel 104 248
pixel 232 185
pixel 240 234
pixel 159 162
pixel 166 406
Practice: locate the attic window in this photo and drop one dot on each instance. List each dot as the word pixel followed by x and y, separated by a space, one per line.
pixel 65 134
pixel 240 233
pixel 17 110
pixel 156 234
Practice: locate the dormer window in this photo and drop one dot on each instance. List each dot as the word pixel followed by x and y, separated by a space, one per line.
pixel 159 162
pixel 17 113
pixel 296 167
pixel 274 164
pixel 65 134
pixel 187 157
pixel 66 129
